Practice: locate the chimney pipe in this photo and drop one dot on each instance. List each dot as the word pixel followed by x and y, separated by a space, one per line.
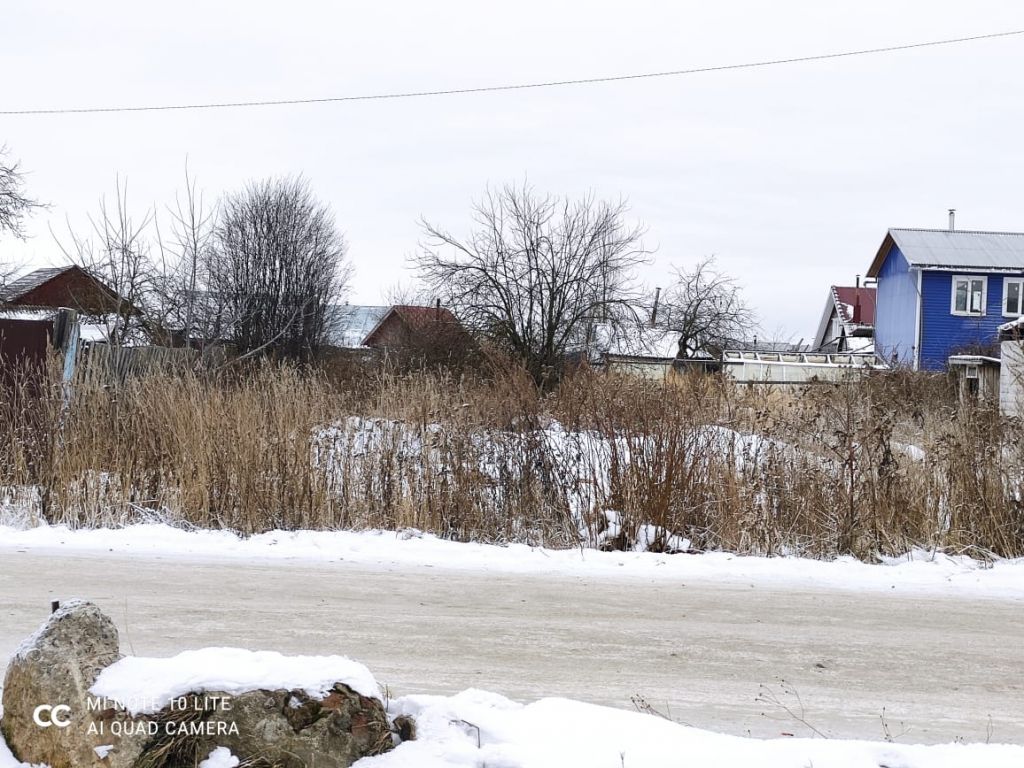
pixel 654 312
pixel 858 281
pixel 952 219
pixel 437 311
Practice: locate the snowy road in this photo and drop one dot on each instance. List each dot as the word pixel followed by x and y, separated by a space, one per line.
pixel 943 668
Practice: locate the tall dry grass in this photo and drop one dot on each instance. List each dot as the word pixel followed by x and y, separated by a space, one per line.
pixel 877 465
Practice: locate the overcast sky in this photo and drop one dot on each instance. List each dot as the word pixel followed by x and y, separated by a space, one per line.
pixel 789 175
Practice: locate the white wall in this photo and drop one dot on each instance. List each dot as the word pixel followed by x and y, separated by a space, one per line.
pixel 1011 379
pixel 754 371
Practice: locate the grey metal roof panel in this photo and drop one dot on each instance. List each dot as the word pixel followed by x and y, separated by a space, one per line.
pixel 29 282
pixel 349 324
pixel 942 248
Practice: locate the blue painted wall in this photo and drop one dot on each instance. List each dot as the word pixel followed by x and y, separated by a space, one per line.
pixel 896 309
pixel 943 333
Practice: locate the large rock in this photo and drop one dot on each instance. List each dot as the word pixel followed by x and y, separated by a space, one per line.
pixel 286 729
pixel 56 667
pixel 280 728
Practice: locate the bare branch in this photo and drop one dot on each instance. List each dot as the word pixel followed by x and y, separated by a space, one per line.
pixel 119 253
pixel 276 262
pixel 706 308
pixel 537 272
pixel 14 204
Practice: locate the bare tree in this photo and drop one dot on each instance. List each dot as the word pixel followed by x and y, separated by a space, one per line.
pixel 706 308
pixel 407 294
pixel 118 252
pixel 278 260
pixel 15 205
pixel 537 273
pixel 187 305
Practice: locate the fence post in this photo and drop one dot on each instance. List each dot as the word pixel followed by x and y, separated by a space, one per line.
pixel 65 338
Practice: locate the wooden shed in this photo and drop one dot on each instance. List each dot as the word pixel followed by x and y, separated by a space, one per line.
pixel 63 287
pixel 977 377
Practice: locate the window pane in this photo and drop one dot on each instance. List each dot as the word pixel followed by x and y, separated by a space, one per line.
pixel 961 295
pixel 1013 298
pixel 976 295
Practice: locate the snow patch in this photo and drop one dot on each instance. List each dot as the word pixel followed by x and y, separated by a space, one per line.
pixel 221 757
pixel 8 760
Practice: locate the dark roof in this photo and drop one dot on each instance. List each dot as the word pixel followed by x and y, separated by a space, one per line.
pixel 416 319
pixel 31 281
pixel 954 249
pixel 419 318
pixel 855 305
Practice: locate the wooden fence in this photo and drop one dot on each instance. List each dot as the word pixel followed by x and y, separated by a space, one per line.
pixel 105 364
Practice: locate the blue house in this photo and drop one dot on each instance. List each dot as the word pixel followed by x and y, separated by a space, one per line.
pixel 943 292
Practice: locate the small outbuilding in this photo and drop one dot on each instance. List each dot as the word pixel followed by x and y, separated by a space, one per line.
pixel 55 287
pixel 636 350
pixel 1011 377
pixel 977 377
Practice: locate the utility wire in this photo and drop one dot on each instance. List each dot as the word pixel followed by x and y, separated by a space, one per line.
pixel 509 87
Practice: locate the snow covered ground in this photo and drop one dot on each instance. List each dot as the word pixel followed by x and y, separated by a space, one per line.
pixel 476 728
pixel 918 572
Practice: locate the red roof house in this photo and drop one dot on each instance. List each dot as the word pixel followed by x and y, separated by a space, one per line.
pixel 56 287
pixel 420 334
pixel 848 320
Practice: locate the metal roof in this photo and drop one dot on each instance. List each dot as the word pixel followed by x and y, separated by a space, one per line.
pixel 636 341
pixel 31 281
pixel 957 249
pixel 348 325
pixel 844 300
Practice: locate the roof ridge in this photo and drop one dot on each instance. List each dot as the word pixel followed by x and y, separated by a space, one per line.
pixel 839 304
pixel 956 231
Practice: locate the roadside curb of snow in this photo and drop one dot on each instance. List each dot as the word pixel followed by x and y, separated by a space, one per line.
pixel 919 572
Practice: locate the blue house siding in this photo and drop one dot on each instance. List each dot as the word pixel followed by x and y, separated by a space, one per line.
pixel 943 333
pixel 896 310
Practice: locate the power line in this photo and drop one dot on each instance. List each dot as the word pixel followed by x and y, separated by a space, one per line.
pixel 513 86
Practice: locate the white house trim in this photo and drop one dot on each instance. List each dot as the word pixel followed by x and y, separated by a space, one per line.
pixel 917 325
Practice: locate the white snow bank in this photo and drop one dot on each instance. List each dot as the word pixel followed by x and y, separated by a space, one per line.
pixel 7 760
pixel 147 685
pixel 919 572
pixel 476 728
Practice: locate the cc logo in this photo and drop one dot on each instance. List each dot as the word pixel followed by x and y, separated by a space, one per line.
pixel 45 715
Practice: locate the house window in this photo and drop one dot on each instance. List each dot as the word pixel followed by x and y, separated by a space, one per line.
pixel 969 295
pixel 1013 297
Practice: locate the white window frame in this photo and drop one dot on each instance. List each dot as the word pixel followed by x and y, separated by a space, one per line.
pixel 1020 296
pixel 984 295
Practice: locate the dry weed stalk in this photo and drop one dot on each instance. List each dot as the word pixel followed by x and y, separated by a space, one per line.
pixel 874 466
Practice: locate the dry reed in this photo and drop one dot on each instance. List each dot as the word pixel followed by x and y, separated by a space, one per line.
pixel 877 465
